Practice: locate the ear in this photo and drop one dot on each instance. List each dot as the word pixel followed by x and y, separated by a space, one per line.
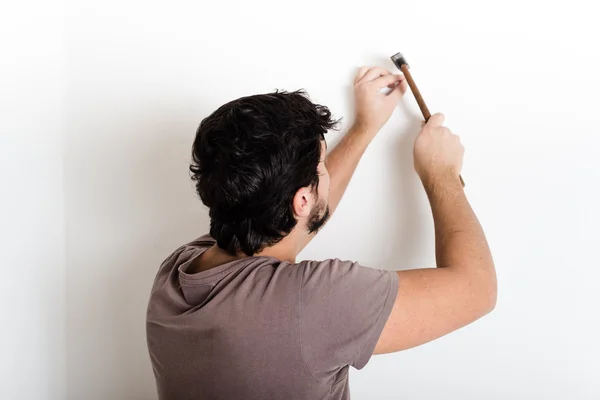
pixel 302 202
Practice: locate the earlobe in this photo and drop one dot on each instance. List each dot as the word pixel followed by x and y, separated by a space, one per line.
pixel 301 203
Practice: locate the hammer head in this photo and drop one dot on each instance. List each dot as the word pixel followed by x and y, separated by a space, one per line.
pixel 399 61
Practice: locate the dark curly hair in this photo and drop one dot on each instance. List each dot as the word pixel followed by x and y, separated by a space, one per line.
pixel 249 158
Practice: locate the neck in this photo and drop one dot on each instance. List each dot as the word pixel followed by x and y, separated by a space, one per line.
pixel 284 250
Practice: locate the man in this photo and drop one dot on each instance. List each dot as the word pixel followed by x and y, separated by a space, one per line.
pixel 232 315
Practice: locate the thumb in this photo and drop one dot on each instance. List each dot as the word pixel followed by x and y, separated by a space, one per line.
pixel 436 120
pixel 398 91
pixel 387 80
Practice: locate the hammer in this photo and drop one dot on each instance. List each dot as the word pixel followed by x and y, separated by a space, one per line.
pixel 402 65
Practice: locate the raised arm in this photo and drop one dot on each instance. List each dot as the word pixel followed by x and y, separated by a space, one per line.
pixel 433 302
pixel 373 109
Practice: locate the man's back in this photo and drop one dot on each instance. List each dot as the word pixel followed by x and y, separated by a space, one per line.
pixel 243 319
pixel 259 328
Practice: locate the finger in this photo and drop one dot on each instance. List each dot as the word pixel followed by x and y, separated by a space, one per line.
pixel 403 86
pixel 374 72
pixel 394 96
pixel 360 74
pixel 398 91
pixel 387 80
pixel 436 119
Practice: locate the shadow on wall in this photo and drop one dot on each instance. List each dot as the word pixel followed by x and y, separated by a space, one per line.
pixel 132 204
pixel 407 234
pixel 406 220
pixel 390 218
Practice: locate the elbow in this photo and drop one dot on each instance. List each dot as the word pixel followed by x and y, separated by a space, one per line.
pixel 485 301
pixel 486 294
pixel 490 296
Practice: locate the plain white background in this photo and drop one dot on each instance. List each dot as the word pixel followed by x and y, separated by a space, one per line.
pixel 32 234
pixel 102 142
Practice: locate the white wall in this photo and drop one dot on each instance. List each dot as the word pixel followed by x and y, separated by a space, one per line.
pixel 33 282
pixel 517 80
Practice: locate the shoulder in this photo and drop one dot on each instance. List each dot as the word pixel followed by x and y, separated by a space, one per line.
pixel 333 268
pixel 339 278
pixel 203 241
pixel 183 254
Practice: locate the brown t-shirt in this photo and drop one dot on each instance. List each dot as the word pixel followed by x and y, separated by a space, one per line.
pixel 260 328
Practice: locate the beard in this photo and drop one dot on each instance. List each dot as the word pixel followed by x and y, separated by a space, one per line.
pixel 318 216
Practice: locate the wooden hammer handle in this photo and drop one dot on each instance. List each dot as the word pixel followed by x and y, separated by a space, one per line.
pixel 420 101
pixel 416 92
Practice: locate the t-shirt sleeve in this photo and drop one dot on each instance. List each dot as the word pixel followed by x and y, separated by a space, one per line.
pixel 343 308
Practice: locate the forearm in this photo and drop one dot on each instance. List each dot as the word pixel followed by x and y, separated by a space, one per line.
pixel 460 240
pixel 342 162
